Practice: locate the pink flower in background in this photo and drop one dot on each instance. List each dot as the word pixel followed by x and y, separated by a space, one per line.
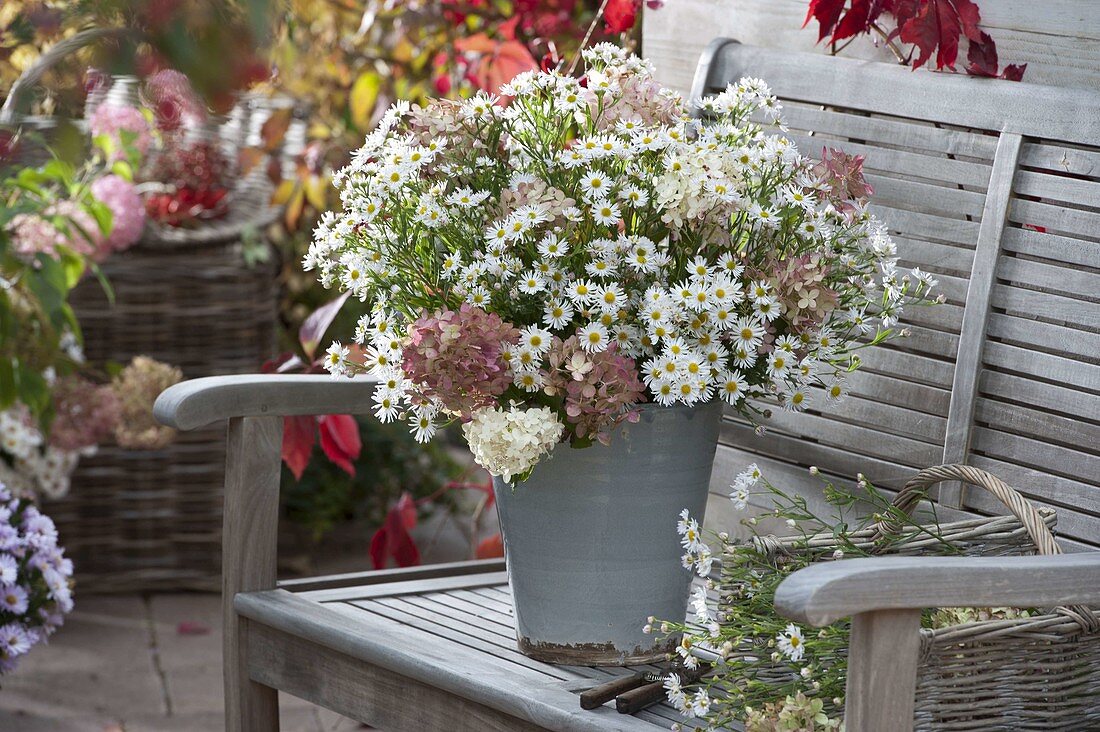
pixel 64 224
pixel 455 356
pixel 31 234
pixel 112 119
pixel 173 100
pixel 127 211
pixel 86 414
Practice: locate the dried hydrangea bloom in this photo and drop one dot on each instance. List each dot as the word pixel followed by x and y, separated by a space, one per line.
pixel 598 389
pixel 136 387
pixel 86 414
pixel 454 356
pixel 841 175
pixel 508 442
pixel 112 120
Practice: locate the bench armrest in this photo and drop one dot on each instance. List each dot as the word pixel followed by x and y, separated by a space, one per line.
pixel 885 597
pixel 826 592
pixel 199 402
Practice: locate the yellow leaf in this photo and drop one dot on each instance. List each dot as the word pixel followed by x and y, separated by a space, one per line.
pixel 364 94
pixel 316 188
pixel 294 208
pixel 283 193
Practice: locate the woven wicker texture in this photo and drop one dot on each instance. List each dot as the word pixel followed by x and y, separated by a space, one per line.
pixel 152 519
pixel 142 520
pixel 1037 673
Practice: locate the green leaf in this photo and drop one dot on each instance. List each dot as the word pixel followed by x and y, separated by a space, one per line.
pixel 103 216
pixel 103 281
pixel 8 391
pixel 123 169
pixel 32 389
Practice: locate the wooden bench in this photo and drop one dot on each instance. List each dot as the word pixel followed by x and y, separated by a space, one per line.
pixel 993 186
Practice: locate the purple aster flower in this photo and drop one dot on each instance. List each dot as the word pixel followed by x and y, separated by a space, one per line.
pixel 14 641
pixel 13 599
pixel 9 569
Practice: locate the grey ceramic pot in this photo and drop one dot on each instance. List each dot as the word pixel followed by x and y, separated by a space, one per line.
pixel 590 538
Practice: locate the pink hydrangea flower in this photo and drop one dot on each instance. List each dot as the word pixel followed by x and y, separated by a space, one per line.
pixel 112 119
pixel 86 414
pixel 455 356
pixel 842 176
pixel 65 223
pixel 32 234
pixel 127 211
pixel 599 389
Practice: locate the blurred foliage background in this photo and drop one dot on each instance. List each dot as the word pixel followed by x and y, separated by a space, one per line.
pixel 339 64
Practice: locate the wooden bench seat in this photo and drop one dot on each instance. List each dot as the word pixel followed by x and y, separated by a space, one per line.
pixel 437 647
pixel 992 186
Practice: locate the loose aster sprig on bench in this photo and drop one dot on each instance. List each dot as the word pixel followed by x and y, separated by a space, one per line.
pixel 583 247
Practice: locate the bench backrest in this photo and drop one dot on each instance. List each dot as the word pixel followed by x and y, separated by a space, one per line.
pixel 994 186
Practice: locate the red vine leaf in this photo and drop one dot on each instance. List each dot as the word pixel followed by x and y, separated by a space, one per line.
pixel 490 548
pixel 340 440
pixel 299 436
pixel 392 540
pixel 932 27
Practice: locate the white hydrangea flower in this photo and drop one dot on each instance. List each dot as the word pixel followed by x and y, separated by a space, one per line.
pixel 508 442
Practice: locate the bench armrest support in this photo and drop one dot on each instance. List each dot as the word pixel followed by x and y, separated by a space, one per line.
pixel 199 402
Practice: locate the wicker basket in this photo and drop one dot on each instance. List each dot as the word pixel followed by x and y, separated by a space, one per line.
pixel 1036 673
pixel 143 520
pixel 152 519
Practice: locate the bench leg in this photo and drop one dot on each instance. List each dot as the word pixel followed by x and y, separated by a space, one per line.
pixel 882 671
pixel 249 530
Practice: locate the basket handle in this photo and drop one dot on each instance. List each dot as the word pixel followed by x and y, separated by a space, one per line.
pixel 34 73
pixel 915 489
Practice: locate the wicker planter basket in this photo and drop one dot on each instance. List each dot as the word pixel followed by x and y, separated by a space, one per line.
pixel 1035 673
pixel 152 519
pixel 142 520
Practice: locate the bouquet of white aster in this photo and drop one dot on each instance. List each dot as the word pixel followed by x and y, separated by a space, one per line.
pixel 577 247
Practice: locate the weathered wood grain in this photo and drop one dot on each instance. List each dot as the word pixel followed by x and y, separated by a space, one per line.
pixel 964 388
pixel 251 517
pixel 1059 39
pixel 824 593
pixel 199 402
pixel 882 673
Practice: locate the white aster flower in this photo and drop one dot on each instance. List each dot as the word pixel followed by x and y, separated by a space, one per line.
pixel 336 359
pixel 594 337
pixel 791 642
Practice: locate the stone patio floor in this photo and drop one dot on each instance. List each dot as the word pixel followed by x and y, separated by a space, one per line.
pixel 136 663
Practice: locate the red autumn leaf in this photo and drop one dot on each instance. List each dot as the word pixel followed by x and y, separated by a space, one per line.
pixel 490 548
pixel 392 540
pixel 299 435
pixel 619 15
pixel 936 26
pixel 340 440
pixel 982 58
pixel 500 61
pixel 406 508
